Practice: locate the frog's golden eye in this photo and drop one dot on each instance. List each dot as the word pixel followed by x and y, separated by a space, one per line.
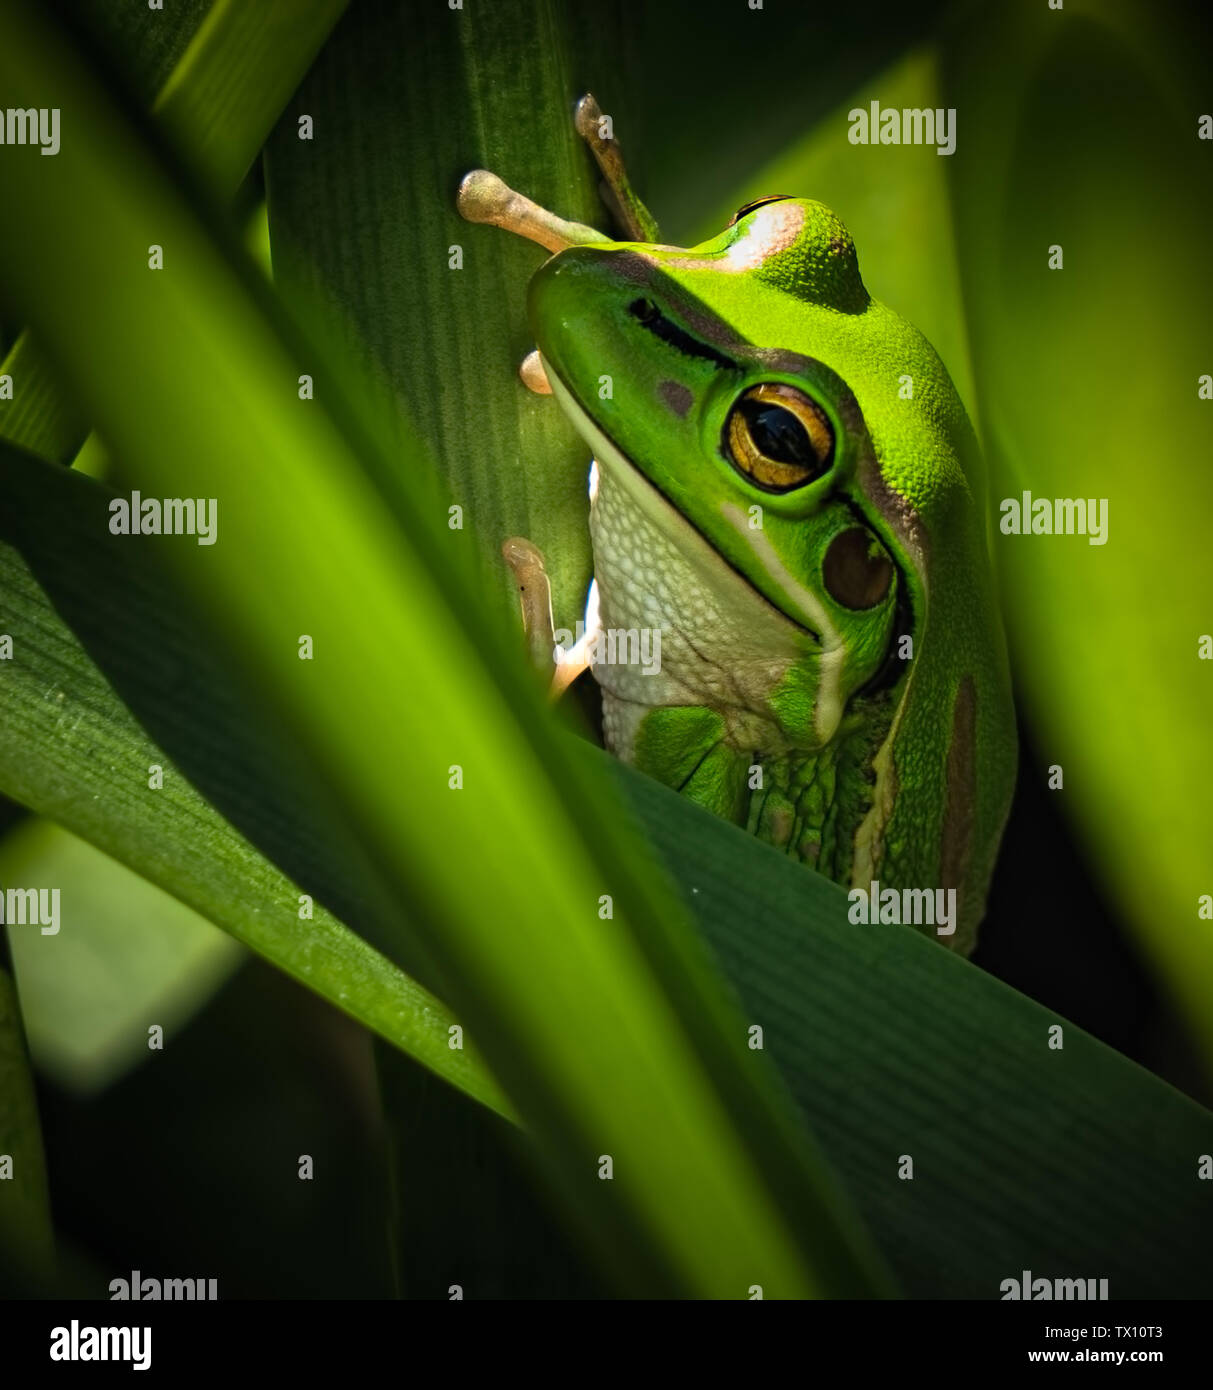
pixel 778 437
pixel 757 203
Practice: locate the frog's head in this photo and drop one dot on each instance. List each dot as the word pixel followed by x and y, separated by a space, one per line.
pixel 809 434
pixel 806 431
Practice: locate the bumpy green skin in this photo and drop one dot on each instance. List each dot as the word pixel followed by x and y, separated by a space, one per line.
pixel 900 773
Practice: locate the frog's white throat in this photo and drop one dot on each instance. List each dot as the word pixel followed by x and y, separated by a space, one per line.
pixel 723 645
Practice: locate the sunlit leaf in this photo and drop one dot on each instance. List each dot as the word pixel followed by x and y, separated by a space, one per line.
pixel 1080 139
pixel 221 74
pixel 71 748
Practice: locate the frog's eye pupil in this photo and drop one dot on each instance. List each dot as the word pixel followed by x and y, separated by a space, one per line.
pixel 779 434
pixel 778 437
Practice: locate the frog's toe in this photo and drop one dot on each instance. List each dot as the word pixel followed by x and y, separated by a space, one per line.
pixel 534 378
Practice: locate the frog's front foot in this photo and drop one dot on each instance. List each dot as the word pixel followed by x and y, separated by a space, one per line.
pixel 561 665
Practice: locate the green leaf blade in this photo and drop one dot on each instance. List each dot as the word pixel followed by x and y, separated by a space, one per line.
pixel 219 99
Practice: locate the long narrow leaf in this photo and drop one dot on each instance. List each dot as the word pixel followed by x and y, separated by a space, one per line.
pixel 71 749
pixel 1091 339
pixel 218 102
pixel 1026 1154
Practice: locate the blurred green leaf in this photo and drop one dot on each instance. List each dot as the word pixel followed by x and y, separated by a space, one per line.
pixel 1082 135
pixel 894 201
pixel 193 1160
pixel 218 101
pixel 126 956
pixel 71 749
pixel 142 44
pixel 705 98
pixel 26 1239
pixel 471 1207
pixel 39 417
pixel 611 1034
pixel 221 100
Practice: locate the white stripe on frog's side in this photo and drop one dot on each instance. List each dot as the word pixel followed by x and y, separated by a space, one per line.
pixel 868 844
pixel 827 713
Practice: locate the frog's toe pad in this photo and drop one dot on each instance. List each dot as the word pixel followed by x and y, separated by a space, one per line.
pixel 534 378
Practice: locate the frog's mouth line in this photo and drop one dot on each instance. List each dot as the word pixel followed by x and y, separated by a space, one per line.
pixel 661 510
